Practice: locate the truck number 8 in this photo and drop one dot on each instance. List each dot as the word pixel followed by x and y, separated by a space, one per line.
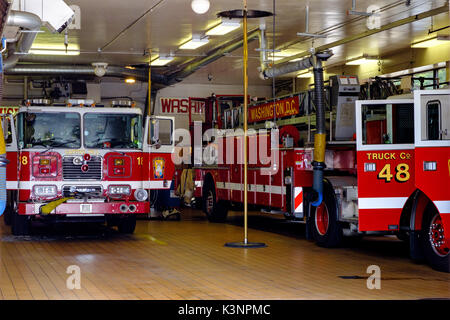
pixel 401 175
pixel 24 160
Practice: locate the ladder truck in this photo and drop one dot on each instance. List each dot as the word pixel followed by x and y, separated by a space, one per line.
pixel 78 162
pixel 386 167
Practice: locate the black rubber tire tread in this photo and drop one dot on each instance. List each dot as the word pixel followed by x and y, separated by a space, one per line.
pixel 7 215
pixel 437 262
pixel 333 237
pixel 127 225
pixel 220 208
pixel 20 224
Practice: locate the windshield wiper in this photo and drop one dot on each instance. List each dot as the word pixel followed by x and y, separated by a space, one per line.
pixel 60 144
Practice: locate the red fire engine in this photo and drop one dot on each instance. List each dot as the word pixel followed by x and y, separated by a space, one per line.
pixel 388 175
pixel 84 163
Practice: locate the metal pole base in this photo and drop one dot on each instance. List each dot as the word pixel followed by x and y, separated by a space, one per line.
pixel 243 244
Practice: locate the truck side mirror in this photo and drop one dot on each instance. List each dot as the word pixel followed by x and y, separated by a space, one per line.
pixel 154 133
pixel 5 128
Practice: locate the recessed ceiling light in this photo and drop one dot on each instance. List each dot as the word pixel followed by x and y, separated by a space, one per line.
pixel 224 27
pixel 431 42
pixel 130 80
pixel 194 43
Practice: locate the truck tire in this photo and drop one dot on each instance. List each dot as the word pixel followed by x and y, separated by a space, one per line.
pixel 326 229
pixel 436 251
pixel 127 225
pixel 7 215
pixel 216 211
pixel 20 224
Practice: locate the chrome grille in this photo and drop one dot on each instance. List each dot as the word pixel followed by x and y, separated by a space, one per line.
pixel 73 172
pixel 81 191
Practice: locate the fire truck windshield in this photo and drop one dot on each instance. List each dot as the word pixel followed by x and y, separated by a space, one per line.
pixel 49 130
pixel 118 131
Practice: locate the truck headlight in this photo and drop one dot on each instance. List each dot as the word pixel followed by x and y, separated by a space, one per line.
pixel 44 191
pixel 141 194
pixel 119 190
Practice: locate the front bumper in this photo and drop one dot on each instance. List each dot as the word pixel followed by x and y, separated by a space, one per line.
pixel 86 208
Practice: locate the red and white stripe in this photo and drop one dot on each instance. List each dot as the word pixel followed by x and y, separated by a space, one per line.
pixel 298 200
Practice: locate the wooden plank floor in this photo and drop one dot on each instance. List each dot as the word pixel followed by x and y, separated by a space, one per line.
pixel 187 260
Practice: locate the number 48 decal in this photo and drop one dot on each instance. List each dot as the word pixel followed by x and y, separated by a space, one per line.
pixel 401 173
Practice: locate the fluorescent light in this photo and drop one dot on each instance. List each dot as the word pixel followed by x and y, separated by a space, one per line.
pixel 283 54
pixel 55 49
pixel 275 58
pixel 161 61
pixel 224 27
pixel 194 43
pixel 431 42
pixel 305 75
pixel 54 52
pixel 360 61
pixel 130 80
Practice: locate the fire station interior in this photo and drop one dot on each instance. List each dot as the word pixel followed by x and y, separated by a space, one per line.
pixel 225 150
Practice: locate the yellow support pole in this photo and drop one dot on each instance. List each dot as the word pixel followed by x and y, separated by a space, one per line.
pixel 245 243
pixel 245 124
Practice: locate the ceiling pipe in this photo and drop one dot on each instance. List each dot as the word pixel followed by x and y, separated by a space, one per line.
pixel 211 57
pixel 85 70
pixel 398 23
pixel 263 56
pixel 25 20
pixel 276 71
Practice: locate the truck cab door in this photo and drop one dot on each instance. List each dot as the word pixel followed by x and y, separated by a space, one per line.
pixel 385 161
pixel 432 148
pixel 9 134
pixel 158 149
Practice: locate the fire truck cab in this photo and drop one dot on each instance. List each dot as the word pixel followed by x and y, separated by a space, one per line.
pixel 81 163
pixel 403 172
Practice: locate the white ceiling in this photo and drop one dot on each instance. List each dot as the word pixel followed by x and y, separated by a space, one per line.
pixel 104 25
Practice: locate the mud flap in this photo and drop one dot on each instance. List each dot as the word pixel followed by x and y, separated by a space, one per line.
pixel 415 248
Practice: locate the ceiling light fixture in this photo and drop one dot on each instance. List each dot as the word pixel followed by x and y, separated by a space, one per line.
pixel 200 6
pixel 194 43
pixel 130 80
pixel 161 61
pixel 52 49
pixel 100 68
pixel 431 42
pixel 283 54
pixel 224 27
pixel 305 75
pixel 360 61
